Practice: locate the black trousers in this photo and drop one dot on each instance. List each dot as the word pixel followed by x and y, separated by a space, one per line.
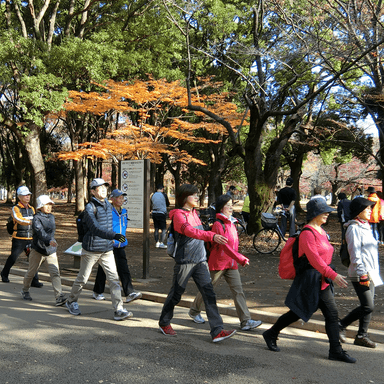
pixel 327 305
pixel 363 313
pixel 122 271
pixel 18 246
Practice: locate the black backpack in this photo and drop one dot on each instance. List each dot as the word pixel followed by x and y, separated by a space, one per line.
pixel 82 228
pixel 172 244
pixel 344 254
pixel 10 224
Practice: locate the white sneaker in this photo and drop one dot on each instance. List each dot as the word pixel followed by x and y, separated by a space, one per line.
pixel 158 244
pixel 97 296
pixel 198 319
pixel 163 246
pixel 122 314
pixel 133 296
pixel 250 324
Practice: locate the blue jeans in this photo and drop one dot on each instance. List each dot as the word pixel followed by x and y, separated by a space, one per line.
pixel 284 222
pixel 200 274
pixel 375 232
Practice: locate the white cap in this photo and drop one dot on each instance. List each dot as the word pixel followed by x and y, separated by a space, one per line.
pixel 42 200
pixel 23 191
pixel 97 182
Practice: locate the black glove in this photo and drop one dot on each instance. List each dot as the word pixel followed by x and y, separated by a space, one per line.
pixel 119 237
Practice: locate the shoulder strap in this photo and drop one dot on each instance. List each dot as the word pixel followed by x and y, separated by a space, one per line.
pixel 222 224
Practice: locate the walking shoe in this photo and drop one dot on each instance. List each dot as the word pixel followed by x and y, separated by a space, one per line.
pixel 364 341
pixel 133 296
pixel 26 296
pixel 341 356
pixel 4 279
pixel 73 308
pixel 167 330
pixel 198 319
pixel 224 335
pixel 157 244
pixel 250 324
pixel 37 284
pixel 271 341
pixel 98 296
pixel 162 245
pixel 60 300
pixel 342 335
pixel 122 314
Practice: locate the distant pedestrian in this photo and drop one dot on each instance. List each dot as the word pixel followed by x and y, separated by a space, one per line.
pixel 286 197
pixel 191 261
pixel 364 267
pixel 97 247
pixel 376 212
pixel 120 223
pixel 232 192
pixel 381 217
pixel 343 212
pixel 43 250
pixel 246 211
pixel 22 214
pixel 317 194
pixel 223 260
pixel 160 203
pixel 312 287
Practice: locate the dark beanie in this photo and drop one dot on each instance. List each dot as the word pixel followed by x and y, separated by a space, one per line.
pixel 358 205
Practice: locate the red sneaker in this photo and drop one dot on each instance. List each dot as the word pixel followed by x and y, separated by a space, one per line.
pixel 223 335
pixel 168 330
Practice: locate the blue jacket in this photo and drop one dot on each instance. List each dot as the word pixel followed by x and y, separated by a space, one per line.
pixel 99 235
pixel 120 224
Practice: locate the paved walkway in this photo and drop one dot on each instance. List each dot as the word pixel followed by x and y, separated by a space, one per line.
pixel 266 317
pixel 40 343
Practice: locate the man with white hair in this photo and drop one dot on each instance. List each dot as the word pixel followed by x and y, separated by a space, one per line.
pixel 22 214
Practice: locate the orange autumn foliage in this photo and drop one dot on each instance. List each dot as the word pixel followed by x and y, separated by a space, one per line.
pixel 151 101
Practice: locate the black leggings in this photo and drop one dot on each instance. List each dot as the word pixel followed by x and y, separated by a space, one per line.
pixel 328 307
pixel 363 313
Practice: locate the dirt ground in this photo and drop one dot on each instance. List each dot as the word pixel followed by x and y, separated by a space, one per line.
pixel 263 288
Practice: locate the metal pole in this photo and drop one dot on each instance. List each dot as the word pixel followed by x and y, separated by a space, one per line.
pixel 146 211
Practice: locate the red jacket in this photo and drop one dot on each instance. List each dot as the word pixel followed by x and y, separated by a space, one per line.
pixel 319 253
pixel 225 256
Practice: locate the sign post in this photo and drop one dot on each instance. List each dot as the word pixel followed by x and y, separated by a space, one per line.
pixel 134 180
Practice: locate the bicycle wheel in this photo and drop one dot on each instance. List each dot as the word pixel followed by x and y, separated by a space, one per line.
pixel 266 240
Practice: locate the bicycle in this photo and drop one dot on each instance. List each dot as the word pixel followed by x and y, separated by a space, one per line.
pixel 268 239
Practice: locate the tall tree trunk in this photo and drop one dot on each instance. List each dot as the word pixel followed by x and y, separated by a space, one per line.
pixel 35 158
pixel 79 184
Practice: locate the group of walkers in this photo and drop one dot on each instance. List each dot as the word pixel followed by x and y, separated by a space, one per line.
pixel 104 243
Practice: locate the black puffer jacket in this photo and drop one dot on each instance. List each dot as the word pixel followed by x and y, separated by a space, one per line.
pixel 99 229
pixel 43 225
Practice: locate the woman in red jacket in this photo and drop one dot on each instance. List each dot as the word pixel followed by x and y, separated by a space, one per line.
pixel 191 262
pixel 312 287
pixel 223 261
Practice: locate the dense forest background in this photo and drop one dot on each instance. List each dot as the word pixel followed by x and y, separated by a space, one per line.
pixel 214 92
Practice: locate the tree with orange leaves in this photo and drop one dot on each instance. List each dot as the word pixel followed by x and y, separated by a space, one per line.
pixel 152 122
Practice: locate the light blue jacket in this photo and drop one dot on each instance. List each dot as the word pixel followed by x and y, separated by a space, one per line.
pixel 159 204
